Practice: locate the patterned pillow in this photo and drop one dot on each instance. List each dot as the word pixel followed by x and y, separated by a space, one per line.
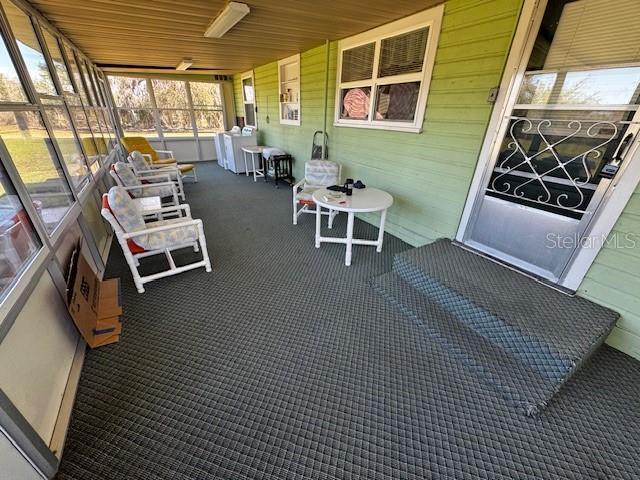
pixel 321 173
pixel 125 211
pixel 138 161
pixel 128 178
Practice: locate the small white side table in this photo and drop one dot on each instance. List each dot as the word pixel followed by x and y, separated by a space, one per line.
pixel 253 151
pixel 362 200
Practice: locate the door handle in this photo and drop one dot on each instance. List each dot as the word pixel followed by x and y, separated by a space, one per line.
pixel 610 169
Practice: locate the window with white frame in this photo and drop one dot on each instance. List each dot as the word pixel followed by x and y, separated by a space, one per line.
pixel 249 99
pixel 289 81
pixel 384 74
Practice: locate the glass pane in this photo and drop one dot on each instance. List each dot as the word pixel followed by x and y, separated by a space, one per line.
pixel 138 123
pixel 69 146
pixel 75 73
pixel 10 87
pixel 18 239
pixel 58 61
pixel 86 137
pixel 249 114
pixel 176 123
pixel 209 122
pixel 355 103
pixel 606 86
pixel 34 157
pixel 87 80
pixel 130 92
pixel 357 63
pixel 397 101
pixel 289 111
pixel 206 94
pixel 403 54
pixel 29 48
pixel 247 89
pixel 94 123
pixel 170 94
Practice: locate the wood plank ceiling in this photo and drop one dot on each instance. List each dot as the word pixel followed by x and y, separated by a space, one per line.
pixel 159 33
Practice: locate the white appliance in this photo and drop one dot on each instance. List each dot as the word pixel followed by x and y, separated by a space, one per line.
pixel 233 144
pixel 219 141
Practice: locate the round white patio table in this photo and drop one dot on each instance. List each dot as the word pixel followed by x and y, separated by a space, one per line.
pixel 253 151
pixel 362 200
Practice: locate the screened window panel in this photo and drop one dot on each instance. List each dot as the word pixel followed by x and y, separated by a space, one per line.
pixel 69 146
pixel 87 80
pixel 249 114
pixel 403 53
pixel 29 47
pixel 170 93
pixel 86 137
pixel 130 92
pixel 176 123
pixel 58 61
pixel 209 122
pixel 75 73
pixel 18 240
pixel 33 155
pixel 206 94
pixel 11 89
pixel 98 138
pixel 357 63
pixel 138 122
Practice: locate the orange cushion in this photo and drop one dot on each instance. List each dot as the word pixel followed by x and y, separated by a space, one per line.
pixel 140 144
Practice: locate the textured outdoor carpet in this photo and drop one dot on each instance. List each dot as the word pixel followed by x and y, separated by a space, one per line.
pixel 284 364
pixel 518 336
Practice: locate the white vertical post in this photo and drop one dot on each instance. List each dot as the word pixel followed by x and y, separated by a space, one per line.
pixel 383 217
pixel 318 224
pixel 347 258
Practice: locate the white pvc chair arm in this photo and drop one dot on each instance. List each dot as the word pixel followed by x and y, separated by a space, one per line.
pixel 154 169
pixel 166 178
pixel 162 228
pixel 174 208
pixel 297 186
pixel 166 152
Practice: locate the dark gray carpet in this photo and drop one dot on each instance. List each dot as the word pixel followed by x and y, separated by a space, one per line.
pixel 284 364
pixel 520 337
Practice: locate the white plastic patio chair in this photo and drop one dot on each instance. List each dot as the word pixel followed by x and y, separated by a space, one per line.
pixel 139 239
pixel 125 177
pixel 146 171
pixel 317 174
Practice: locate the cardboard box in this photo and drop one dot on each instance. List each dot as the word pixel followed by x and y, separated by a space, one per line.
pixel 95 305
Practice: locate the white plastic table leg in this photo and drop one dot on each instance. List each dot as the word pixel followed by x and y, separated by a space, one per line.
pixel 347 258
pixel 253 164
pixel 246 169
pixel 383 217
pixel 318 224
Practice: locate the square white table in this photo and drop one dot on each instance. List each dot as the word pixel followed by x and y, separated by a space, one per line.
pixel 362 200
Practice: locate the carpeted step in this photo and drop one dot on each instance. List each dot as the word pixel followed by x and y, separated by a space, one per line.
pixel 552 333
pixel 513 380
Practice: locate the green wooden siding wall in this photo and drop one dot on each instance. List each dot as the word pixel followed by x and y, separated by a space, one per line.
pixel 429 174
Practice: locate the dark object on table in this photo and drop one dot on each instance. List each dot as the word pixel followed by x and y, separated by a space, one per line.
pixel 336 188
pixel 348 187
pixel 359 184
pixel 316 147
pixel 279 167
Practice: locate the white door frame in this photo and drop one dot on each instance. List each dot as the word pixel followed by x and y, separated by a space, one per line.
pixel 617 196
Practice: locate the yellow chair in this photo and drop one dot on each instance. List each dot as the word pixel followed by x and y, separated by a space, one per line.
pixel 157 157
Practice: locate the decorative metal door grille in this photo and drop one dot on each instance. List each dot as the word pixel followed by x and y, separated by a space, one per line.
pixel 553 164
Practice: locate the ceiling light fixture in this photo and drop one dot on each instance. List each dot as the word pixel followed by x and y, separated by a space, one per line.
pixel 184 64
pixel 232 14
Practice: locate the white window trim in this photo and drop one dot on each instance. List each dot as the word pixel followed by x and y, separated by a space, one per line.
pixel 244 76
pixel 286 61
pixel 431 18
